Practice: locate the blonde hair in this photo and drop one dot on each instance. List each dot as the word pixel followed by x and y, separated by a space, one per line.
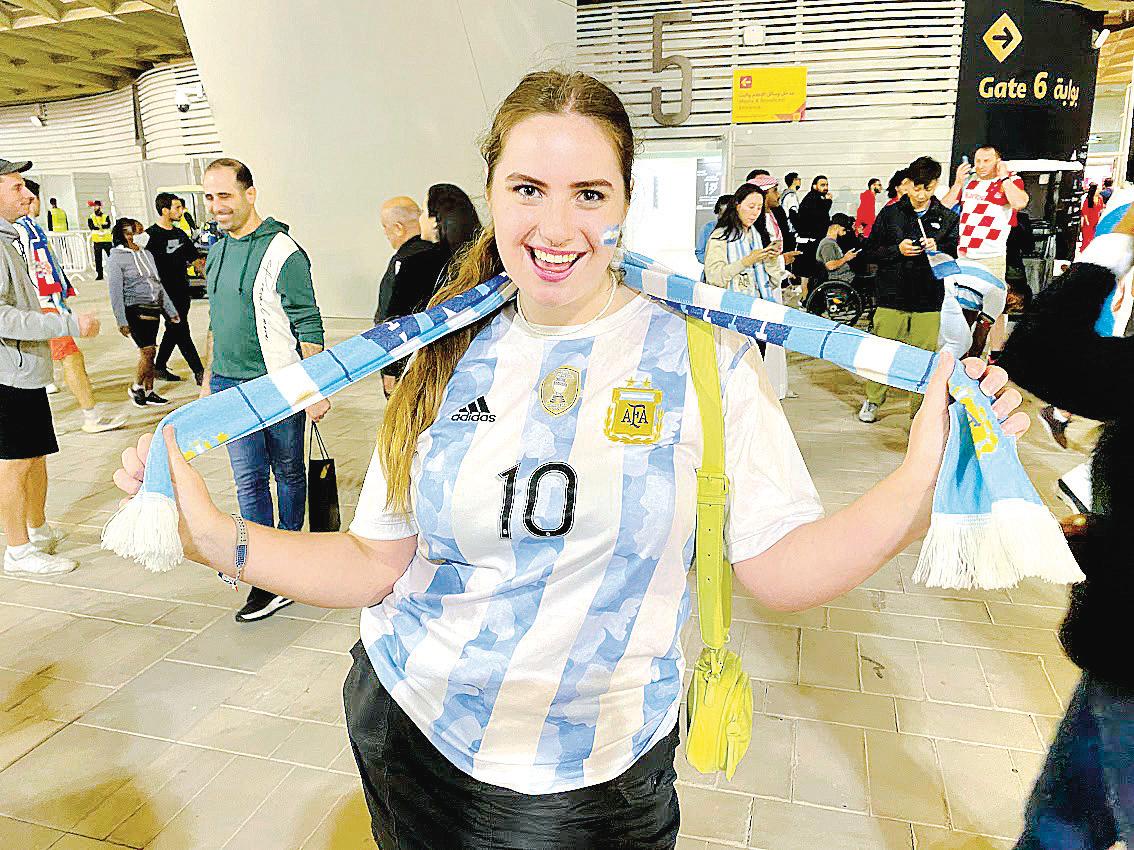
pixel 413 406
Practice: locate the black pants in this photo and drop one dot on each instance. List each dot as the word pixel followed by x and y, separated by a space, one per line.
pixel 419 801
pixel 100 248
pixel 178 334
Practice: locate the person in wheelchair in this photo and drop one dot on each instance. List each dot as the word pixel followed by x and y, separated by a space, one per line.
pixel 843 289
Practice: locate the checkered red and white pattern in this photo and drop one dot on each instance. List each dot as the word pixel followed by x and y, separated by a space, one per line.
pixel 986 218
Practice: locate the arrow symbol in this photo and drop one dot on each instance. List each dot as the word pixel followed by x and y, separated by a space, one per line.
pixel 1006 37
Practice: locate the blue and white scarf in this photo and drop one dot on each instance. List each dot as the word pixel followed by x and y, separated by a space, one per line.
pixel 989 527
pixel 754 279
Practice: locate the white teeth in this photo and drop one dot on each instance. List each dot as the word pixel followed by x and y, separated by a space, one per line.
pixel 554 259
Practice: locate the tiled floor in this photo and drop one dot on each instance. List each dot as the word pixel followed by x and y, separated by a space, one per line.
pixel 135 712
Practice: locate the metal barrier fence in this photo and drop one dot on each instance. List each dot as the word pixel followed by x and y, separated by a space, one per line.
pixel 73 249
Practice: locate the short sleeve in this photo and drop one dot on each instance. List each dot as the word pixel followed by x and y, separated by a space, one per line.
pixel 372 519
pixel 828 252
pixel 770 489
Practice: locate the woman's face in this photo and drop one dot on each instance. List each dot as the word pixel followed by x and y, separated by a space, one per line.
pixel 556 189
pixel 129 232
pixel 750 208
pixel 428 225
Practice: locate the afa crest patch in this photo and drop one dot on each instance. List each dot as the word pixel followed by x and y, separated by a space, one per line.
pixel 635 414
pixel 559 391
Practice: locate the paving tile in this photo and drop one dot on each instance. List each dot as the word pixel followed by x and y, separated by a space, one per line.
pixel 890 667
pixel 346 825
pixel 829 660
pixel 771 653
pixel 933 838
pixel 216 814
pixel 329 637
pixel 766 769
pixel 191 617
pixel 953 674
pixel 887 625
pixel 166 699
pixel 279 822
pixel 313 744
pixel 862 599
pixel 830 766
pixel 79 842
pixel 299 683
pixel 714 815
pixel 20 734
pixel 26 695
pixel 1010 638
pixel 905 781
pixel 985 793
pixel 19 835
pixel 1019 682
pixel 778 825
pixel 238 646
pixel 237 731
pixel 1032 616
pixel 964 723
pixel 152 795
pixel 1036 592
pixel 872 711
pixel 1028 766
pixel 748 609
pixel 1064 676
pixel 64 779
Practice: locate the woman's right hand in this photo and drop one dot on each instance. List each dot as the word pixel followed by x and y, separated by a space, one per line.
pixel 760 255
pixel 199 517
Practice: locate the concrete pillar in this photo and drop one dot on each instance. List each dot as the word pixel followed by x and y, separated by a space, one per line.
pixel 338 104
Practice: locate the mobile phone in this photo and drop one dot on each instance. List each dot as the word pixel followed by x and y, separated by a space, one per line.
pixel 965 159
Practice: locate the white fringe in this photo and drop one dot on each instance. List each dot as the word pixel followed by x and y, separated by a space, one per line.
pixel 145 530
pixel 1018 540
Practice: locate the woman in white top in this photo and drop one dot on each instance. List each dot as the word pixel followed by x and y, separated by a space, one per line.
pixel 523 568
pixel 736 258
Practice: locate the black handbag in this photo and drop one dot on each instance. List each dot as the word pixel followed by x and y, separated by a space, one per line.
pixel 322 486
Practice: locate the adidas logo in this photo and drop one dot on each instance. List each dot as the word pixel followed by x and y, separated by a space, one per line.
pixel 474 411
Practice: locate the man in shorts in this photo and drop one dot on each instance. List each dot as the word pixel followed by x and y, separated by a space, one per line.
pixel 26 432
pixel 47 274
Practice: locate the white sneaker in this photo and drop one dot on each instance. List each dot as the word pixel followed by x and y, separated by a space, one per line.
pixel 47 544
pixel 52 389
pixel 103 422
pixel 868 413
pixel 37 563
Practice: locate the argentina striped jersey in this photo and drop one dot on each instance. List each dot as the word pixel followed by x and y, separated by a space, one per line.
pixel 535 637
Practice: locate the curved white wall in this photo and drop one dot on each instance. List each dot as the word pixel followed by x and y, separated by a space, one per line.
pixel 337 106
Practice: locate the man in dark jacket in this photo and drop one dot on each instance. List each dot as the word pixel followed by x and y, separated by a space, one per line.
pixel 173 251
pixel 909 296
pixel 411 275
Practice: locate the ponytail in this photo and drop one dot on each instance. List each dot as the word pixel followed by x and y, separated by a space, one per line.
pixel 413 406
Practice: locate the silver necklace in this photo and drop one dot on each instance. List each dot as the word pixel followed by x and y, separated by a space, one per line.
pixel 573 329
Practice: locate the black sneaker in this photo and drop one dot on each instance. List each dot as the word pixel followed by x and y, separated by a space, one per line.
pixel 154 399
pixel 137 397
pixel 1054 426
pixel 163 374
pixel 199 377
pixel 261 604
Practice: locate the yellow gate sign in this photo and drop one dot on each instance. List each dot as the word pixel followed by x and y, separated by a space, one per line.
pixel 765 95
pixel 1003 37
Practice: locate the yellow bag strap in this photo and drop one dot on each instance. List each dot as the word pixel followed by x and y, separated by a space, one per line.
pixel 714 574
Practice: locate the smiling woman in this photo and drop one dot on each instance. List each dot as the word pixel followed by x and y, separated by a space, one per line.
pixel 525 530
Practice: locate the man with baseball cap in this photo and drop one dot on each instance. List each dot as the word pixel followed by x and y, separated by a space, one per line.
pixel 26 432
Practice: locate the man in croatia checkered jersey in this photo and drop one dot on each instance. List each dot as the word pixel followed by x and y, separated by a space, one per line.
pixel 989 200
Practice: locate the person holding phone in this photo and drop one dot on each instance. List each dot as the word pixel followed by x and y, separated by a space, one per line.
pixel 831 256
pixel 909 294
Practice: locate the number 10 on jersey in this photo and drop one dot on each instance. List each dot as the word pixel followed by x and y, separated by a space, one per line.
pixel 567 519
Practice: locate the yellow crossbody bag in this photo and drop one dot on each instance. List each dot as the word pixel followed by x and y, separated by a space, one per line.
pixel 719 705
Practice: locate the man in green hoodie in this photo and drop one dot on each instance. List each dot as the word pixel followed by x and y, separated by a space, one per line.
pixel 262 317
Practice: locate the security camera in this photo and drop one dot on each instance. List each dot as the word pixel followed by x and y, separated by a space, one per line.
pixel 181 98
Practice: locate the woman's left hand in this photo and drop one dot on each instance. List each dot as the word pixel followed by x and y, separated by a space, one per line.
pixel 930 428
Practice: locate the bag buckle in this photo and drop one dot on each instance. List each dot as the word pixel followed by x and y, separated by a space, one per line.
pixel 712 488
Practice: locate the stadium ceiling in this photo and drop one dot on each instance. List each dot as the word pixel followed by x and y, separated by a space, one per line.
pixel 57 49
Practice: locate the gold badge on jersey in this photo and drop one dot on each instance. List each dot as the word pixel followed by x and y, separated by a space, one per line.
pixel 560 390
pixel 635 414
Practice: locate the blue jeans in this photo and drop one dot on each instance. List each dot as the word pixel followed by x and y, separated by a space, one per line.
pixel 1084 798
pixel 277 449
